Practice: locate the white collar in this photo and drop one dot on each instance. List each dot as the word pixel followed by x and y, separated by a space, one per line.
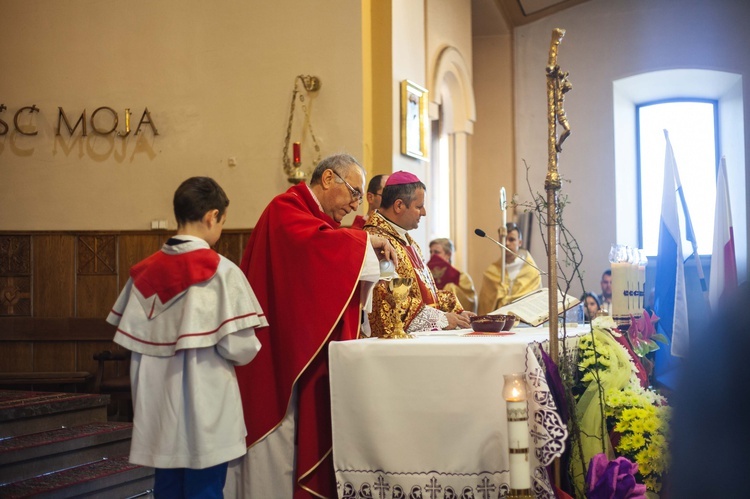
pixel 191 243
pixel 314 197
pixel 400 230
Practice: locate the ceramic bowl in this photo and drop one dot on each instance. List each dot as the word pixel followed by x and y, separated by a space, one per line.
pixel 488 323
pixel 510 322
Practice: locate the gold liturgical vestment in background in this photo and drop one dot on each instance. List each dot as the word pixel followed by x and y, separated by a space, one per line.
pixel 494 295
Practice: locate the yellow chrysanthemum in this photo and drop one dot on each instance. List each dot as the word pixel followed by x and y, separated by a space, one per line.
pixel 636 426
pixel 640 416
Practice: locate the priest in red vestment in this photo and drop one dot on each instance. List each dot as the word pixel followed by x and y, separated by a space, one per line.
pixel 427 308
pixel 310 276
pixel 448 277
pixel 374 195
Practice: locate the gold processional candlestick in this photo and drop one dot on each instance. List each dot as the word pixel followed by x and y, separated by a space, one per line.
pixel 557 86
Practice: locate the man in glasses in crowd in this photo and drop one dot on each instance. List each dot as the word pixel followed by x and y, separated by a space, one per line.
pixel 312 279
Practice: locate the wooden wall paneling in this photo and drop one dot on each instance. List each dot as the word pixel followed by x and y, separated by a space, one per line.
pixel 97 254
pixel 16 356
pixel 15 275
pixel 54 356
pixel 230 246
pixel 15 254
pixel 133 248
pixel 53 292
pixel 95 295
pixel 15 296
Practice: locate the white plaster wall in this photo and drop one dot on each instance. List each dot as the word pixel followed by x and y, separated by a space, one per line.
pixel 217 78
pixel 408 64
pixel 607 40
pixel 448 25
pixel 449 48
pixel 492 152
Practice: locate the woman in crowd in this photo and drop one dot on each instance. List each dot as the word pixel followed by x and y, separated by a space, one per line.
pixel 590 305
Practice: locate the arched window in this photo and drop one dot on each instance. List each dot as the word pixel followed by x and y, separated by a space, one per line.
pixel 632 96
pixel 691 124
pixel 453 113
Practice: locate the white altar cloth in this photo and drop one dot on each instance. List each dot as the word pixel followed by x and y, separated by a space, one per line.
pixel 425 417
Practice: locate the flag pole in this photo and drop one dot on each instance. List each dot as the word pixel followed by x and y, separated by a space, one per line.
pixel 723 260
pixel 689 231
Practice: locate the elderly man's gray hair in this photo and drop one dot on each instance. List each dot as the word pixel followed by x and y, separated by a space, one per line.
pixel 339 163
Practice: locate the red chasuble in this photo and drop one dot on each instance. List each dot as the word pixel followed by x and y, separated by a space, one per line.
pixel 443 272
pixel 305 272
pixel 359 222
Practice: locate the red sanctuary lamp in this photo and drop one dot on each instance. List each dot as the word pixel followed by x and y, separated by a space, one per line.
pixel 293 167
pixel 297 160
pixel 296 175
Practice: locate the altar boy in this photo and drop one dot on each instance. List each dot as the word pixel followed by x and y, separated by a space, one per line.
pixel 188 315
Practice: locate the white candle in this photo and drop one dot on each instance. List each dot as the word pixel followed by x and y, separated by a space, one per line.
pixel 514 392
pixel 642 262
pixel 620 276
pixel 633 289
pixel 518 444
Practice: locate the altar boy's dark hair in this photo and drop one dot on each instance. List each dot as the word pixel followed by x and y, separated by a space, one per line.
pixel 195 197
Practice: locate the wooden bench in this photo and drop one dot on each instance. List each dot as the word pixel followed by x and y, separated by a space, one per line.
pixel 44 378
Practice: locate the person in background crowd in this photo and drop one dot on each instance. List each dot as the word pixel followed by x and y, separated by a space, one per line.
pixel 448 277
pixel 605 298
pixel 374 196
pixel 590 306
pixel 520 277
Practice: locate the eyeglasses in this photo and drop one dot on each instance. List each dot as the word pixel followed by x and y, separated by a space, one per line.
pixel 356 194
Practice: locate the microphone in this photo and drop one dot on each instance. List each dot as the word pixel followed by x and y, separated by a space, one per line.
pixel 481 233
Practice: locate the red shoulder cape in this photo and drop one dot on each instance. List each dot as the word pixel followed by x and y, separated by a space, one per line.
pixel 305 272
pixel 169 275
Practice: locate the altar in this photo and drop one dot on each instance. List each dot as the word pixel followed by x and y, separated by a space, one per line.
pixel 425 417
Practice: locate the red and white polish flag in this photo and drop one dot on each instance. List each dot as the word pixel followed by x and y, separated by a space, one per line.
pixel 723 262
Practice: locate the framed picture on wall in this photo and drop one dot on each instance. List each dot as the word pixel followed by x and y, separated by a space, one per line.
pixel 413 120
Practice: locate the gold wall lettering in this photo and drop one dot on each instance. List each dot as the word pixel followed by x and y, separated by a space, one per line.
pixel 103 121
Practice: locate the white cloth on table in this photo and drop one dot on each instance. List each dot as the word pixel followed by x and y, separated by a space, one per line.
pixel 427 414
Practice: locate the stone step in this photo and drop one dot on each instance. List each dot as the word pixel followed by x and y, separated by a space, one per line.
pixel 110 478
pixel 23 412
pixel 26 456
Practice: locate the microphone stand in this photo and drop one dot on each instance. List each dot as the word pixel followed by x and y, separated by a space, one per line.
pixel 503 207
pixel 481 233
